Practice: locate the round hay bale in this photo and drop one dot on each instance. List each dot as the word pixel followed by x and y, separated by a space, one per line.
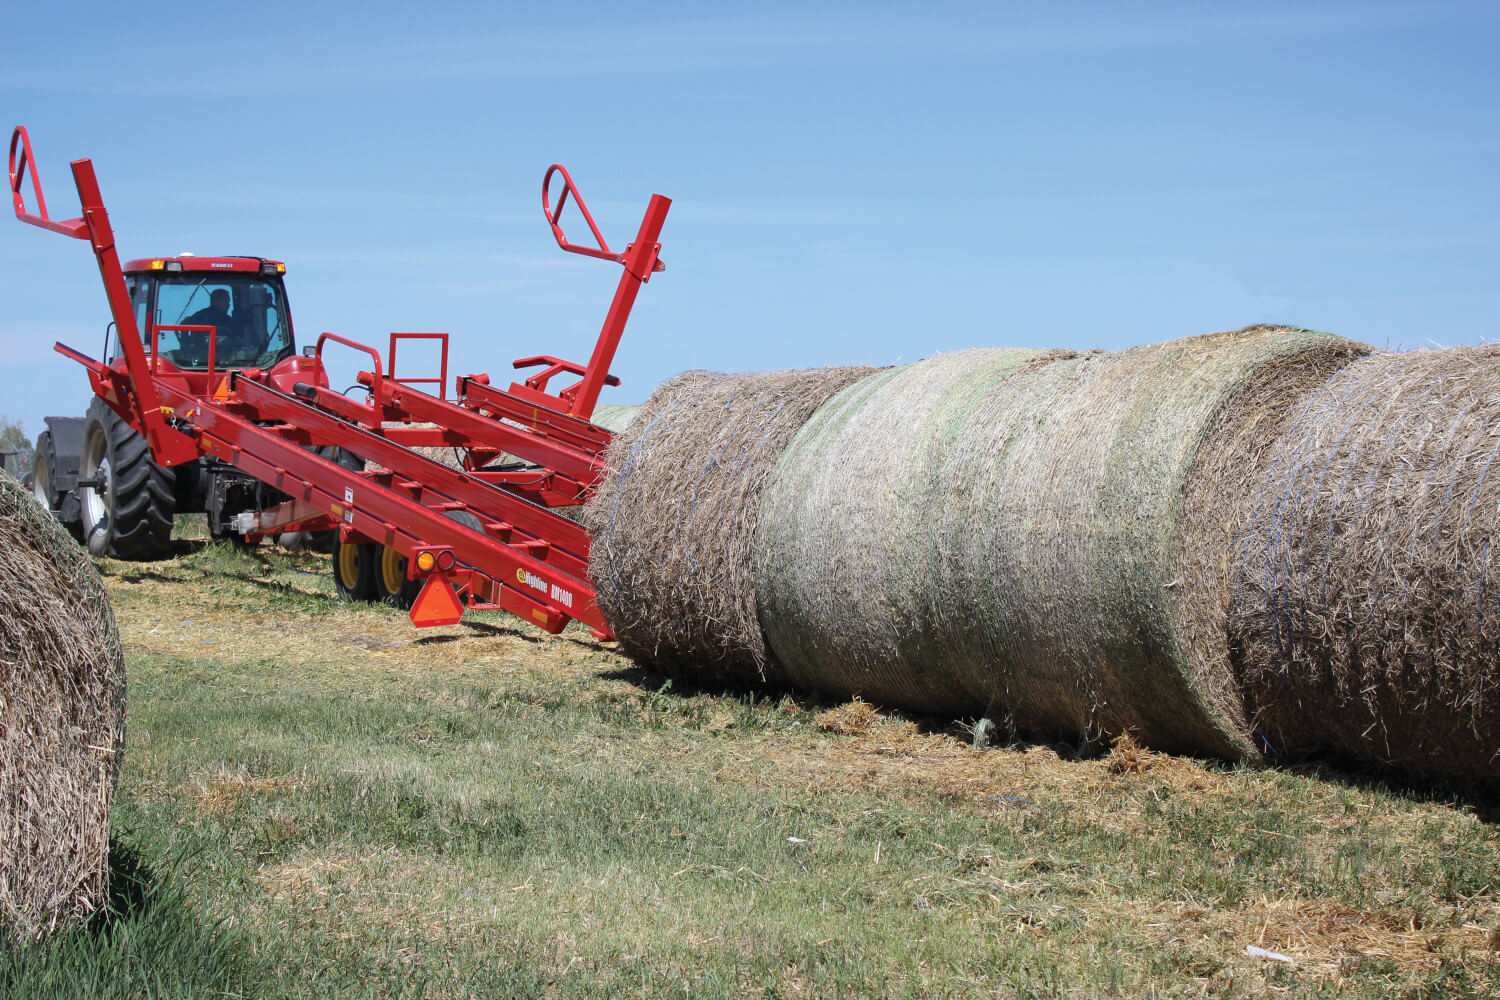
pixel 845 553
pixel 1367 608
pixel 1031 533
pixel 62 722
pixel 615 417
pixel 674 517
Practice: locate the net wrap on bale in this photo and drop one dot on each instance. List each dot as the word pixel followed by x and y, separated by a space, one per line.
pixel 62 721
pixel 1038 532
pixel 615 417
pixel 845 548
pixel 1367 602
pixel 673 519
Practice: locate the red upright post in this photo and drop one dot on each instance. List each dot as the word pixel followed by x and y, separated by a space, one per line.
pixel 640 259
pixel 168 445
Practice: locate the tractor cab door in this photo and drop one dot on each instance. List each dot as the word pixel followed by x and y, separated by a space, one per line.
pixel 247 313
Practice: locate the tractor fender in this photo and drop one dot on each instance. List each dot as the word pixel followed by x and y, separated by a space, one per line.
pixel 286 373
pixel 67 449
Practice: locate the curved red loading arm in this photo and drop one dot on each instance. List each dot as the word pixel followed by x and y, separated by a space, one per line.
pixel 640 259
pixel 135 394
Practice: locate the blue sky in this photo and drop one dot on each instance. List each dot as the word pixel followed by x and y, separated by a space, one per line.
pixel 852 183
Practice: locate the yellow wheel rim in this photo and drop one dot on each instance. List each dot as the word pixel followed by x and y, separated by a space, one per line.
pixel 392 570
pixel 349 565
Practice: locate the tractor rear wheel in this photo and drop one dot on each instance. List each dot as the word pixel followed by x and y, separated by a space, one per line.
pixel 41 472
pixel 128 499
pixel 322 541
pixel 354 568
pixel 43 480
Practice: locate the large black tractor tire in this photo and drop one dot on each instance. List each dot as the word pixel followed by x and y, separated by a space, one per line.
pixel 42 464
pixel 322 541
pixel 44 480
pixel 127 511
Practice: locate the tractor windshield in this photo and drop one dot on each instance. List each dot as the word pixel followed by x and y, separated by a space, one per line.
pixel 247 312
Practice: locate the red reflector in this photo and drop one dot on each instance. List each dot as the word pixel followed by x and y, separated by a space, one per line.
pixel 437 604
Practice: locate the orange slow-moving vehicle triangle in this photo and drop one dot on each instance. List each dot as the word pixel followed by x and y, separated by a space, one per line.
pixel 437 604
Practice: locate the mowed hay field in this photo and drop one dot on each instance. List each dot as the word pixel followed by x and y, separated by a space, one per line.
pixel 319 801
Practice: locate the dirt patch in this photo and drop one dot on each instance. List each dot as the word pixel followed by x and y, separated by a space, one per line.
pixel 372 642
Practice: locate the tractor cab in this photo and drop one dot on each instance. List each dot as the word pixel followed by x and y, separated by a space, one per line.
pixel 193 310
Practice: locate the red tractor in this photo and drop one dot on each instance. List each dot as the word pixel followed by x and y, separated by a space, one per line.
pixel 97 472
pixel 202 403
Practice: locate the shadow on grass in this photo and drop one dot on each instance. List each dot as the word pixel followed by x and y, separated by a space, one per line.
pixel 682 682
pixel 188 574
pixel 148 940
pixel 480 629
pixel 1481 799
pixel 689 682
pixel 132 889
pixel 529 634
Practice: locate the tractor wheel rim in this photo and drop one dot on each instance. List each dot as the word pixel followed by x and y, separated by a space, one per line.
pixel 40 487
pixel 96 499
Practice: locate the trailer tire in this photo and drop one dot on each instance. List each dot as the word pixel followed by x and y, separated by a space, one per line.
pixel 354 568
pixel 131 516
pixel 391 585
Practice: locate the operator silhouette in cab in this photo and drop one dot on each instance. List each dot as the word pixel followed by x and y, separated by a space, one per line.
pixel 216 315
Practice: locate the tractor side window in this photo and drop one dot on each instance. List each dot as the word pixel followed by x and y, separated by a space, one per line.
pixel 139 289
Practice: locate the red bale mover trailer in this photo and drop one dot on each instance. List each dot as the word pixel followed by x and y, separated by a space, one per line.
pixel 217 411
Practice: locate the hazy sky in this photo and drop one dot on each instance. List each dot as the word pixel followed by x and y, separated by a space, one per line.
pixel 862 183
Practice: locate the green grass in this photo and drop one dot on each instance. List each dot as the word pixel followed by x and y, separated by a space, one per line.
pixel 149 941
pixel 318 801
